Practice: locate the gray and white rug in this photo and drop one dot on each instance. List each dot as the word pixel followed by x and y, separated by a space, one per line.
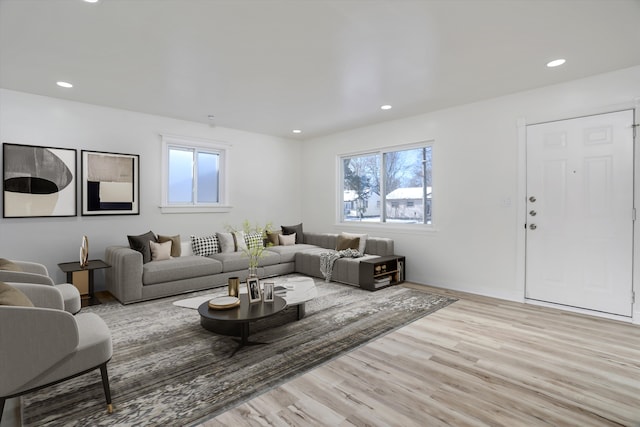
pixel 167 370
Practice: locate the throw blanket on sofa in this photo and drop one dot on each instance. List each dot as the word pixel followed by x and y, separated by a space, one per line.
pixel 327 259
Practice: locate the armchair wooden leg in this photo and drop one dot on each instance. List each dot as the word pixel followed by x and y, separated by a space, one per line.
pixel 105 385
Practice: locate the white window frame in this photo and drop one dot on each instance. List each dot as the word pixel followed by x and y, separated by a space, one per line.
pixel 190 143
pixel 380 152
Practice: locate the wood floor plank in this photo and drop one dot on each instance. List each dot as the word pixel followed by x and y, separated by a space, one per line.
pixel 478 362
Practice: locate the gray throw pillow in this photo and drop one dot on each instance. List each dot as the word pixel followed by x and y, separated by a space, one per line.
pixel 227 242
pixel 141 244
pixel 291 229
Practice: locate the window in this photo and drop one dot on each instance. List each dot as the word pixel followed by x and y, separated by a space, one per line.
pixel 398 181
pixel 193 174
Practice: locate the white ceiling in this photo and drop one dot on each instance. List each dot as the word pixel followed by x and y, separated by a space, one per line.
pixel 270 66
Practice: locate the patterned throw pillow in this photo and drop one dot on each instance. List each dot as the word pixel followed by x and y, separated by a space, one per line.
pixel 205 246
pixel 254 240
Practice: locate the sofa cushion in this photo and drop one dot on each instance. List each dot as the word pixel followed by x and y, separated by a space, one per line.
pixel 176 247
pixel 141 244
pixel 12 296
pixel 344 242
pixel 288 253
pixel 205 246
pixel 272 237
pixel 362 243
pixel 287 239
pixel 185 267
pixel 7 265
pixel 254 240
pixel 324 240
pixel 240 261
pixel 160 251
pixel 238 238
pixel 227 242
pixel 291 229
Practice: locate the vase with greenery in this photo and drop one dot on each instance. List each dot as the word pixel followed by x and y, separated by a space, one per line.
pixel 253 250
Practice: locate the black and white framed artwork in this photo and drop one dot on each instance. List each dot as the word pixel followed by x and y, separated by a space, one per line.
pixel 38 181
pixel 110 183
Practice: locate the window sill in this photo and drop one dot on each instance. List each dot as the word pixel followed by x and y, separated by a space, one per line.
pixel 194 209
pixel 382 227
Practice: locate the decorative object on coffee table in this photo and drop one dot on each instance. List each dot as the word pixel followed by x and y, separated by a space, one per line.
pixel 253 289
pixel 224 303
pixel 234 286
pixel 268 292
pixel 251 240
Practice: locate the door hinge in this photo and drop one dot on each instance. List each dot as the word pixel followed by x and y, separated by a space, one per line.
pixel 633 297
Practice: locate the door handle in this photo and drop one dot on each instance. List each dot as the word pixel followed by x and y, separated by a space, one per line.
pixel 532 226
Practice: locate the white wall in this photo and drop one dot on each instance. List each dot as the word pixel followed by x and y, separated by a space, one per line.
pixel 263 177
pixel 476 244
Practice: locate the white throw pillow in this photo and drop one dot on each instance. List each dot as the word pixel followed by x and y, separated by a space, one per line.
pixel 287 239
pixel 160 251
pixel 241 245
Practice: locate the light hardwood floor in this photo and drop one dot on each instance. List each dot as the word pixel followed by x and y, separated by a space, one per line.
pixel 477 362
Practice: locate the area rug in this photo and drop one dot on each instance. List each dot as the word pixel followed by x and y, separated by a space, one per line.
pixel 167 370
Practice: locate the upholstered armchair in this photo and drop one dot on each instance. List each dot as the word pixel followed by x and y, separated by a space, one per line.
pixel 44 344
pixel 33 272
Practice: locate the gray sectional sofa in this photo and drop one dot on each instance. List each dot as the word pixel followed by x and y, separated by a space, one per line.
pixel 129 280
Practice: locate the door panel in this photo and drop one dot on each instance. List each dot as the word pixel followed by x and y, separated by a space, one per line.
pixel 580 198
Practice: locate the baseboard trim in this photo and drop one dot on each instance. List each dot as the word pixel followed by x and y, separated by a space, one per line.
pixel 577 310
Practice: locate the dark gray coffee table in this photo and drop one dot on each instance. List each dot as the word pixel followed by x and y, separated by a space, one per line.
pixel 235 321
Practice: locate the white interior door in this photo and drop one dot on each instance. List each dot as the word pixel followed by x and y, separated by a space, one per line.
pixel 579 240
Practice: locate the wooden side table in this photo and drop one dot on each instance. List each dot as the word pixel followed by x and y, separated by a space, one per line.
pixel 72 267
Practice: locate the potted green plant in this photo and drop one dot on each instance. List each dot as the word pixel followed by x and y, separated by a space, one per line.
pixel 253 248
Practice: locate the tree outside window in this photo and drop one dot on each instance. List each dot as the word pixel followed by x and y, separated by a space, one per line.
pixel 392 186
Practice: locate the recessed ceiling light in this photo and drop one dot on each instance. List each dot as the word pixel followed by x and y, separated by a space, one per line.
pixel 64 84
pixel 296 131
pixel 556 63
pixel 91 1
pixel 386 107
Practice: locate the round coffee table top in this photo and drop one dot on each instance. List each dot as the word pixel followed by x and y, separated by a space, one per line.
pixel 245 312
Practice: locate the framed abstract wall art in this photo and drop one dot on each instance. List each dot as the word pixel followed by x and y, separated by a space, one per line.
pixel 38 181
pixel 110 183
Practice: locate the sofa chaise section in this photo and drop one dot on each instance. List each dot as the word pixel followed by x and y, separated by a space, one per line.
pixel 345 270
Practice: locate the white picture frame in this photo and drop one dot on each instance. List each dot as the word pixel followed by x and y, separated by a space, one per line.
pixel 268 292
pixel 253 290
